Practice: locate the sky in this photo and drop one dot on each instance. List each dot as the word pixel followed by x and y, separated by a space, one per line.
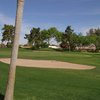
pixel 80 14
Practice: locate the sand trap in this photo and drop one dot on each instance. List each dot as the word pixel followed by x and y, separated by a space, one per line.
pixel 47 64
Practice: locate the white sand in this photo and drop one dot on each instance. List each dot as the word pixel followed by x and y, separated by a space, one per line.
pixel 48 64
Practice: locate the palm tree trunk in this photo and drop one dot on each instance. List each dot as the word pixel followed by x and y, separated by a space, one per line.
pixel 12 70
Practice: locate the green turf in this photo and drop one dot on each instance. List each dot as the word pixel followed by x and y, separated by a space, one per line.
pixel 54 84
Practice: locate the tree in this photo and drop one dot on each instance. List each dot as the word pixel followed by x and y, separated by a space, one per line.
pixel 39 38
pixel 55 34
pixel 30 42
pixel 97 32
pixel 8 34
pixel 68 38
pixel 98 43
pixel 93 32
pixel 12 70
pixel 48 34
pixel 34 38
pixel 52 32
pixel 44 38
pixel 44 35
pixel 94 35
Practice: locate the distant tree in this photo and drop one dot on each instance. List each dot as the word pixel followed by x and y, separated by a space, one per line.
pixel 8 34
pixel 94 36
pixel 47 35
pixel 85 40
pixel 68 38
pixel 57 35
pixel 51 33
pixel 29 39
pixel 97 32
pixel 34 38
pixel 93 32
pixel 98 43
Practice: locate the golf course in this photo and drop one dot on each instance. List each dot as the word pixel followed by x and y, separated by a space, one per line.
pixel 34 83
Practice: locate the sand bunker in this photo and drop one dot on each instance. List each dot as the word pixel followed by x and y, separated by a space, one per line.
pixel 47 64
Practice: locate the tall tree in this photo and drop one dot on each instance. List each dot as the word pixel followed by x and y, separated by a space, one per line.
pixel 93 32
pixel 97 32
pixel 52 32
pixel 94 36
pixel 68 38
pixel 69 32
pixel 8 33
pixel 40 37
pixel 29 39
pixel 34 38
pixel 47 35
pixel 44 35
pixel 12 70
pixel 55 34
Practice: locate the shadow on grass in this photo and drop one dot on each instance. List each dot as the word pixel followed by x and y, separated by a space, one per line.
pixel 1 97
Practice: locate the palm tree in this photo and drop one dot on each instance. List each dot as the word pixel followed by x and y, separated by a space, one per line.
pixel 12 70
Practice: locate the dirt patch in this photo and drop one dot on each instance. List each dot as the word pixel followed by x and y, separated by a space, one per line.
pixel 48 64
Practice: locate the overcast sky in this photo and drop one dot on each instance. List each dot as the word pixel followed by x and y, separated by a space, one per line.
pixel 80 14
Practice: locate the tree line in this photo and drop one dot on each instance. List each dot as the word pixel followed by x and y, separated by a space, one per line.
pixel 68 40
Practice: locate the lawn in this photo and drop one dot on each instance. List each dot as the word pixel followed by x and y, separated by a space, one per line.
pixel 54 84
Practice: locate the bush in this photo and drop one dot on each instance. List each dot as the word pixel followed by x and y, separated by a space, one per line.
pixel 9 45
pixel 35 47
pixel 39 46
pixel 3 45
pixel 44 45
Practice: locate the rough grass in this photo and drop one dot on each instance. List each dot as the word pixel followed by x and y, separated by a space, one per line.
pixel 54 84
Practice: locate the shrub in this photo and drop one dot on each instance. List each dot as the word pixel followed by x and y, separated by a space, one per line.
pixel 44 45
pixel 2 45
pixel 9 45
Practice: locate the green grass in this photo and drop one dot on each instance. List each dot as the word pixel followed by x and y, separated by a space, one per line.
pixel 54 84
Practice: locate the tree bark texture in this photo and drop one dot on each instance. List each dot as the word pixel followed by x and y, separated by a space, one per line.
pixel 12 69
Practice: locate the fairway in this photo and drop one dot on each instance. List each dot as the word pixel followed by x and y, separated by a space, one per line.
pixel 54 84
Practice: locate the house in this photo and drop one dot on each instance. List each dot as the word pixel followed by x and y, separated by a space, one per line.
pixel 90 47
pixel 54 46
